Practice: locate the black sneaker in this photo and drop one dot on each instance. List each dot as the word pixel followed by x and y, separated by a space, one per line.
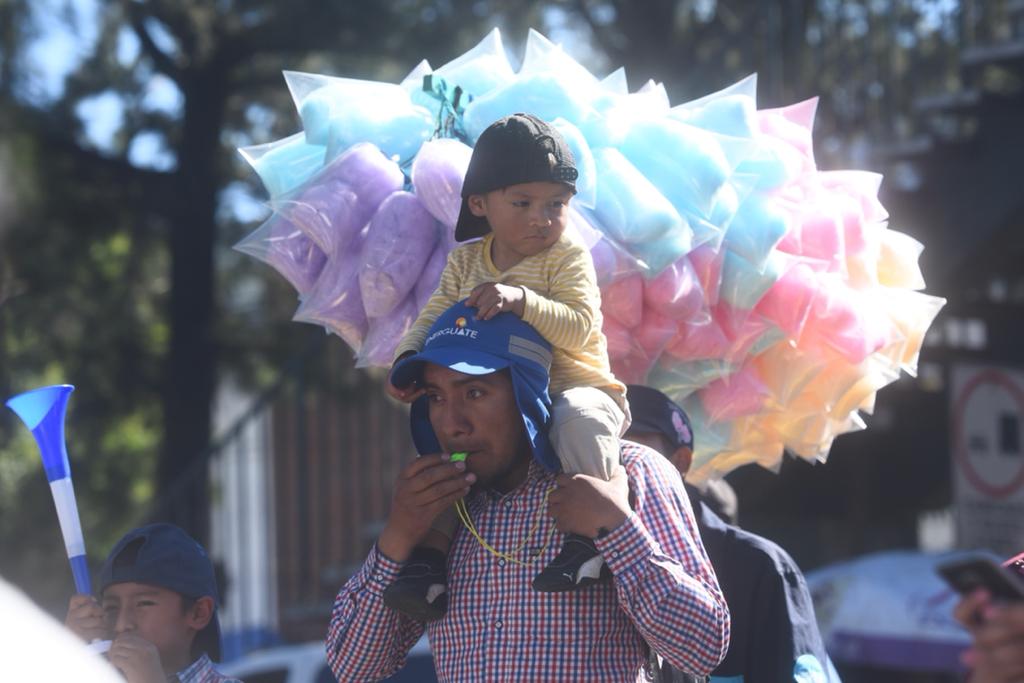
pixel 578 565
pixel 421 588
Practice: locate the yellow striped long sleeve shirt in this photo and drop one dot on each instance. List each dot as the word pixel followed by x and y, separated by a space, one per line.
pixel 562 302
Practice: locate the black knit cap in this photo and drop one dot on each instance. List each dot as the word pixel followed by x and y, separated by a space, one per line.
pixel 520 148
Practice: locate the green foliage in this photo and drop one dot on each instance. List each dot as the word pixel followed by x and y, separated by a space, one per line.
pixel 96 287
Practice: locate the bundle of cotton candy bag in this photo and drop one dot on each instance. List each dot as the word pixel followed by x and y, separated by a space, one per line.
pixel 768 297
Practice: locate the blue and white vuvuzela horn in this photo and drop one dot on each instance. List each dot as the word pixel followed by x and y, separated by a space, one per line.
pixel 42 410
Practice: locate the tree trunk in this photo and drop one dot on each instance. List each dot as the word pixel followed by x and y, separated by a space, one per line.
pixel 191 361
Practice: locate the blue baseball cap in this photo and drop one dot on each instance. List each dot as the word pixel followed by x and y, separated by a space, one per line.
pixel 459 341
pixel 164 555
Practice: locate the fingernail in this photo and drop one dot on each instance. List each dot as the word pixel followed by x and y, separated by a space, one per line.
pixel 470 477
pixel 460 466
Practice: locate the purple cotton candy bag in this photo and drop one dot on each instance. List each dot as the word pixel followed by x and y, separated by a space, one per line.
pixel 334 301
pixel 401 237
pixel 430 278
pixel 384 334
pixel 340 200
pixel 288 250
pixel 437 175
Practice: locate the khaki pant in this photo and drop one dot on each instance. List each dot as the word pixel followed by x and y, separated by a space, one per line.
pixel 585 429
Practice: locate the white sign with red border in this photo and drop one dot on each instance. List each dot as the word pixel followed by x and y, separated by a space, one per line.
pixel 987 444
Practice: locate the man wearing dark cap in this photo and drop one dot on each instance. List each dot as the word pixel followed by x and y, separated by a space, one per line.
pixel 485 397
pixel 775 633
pixel 158 601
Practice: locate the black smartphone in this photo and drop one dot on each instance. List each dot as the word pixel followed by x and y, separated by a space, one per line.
pixel 970 572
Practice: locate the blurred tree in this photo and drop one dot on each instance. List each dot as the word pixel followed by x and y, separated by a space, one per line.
pixel 115 273
pixel 866 60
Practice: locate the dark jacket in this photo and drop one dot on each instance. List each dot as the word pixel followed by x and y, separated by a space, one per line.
pixel 772 615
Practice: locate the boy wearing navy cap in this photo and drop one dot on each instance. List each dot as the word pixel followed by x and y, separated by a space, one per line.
pixel 516 196
pixel 158 602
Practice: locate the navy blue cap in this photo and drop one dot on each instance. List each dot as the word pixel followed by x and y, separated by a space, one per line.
pixel 164 555
pixel 653 411
pixel 459 341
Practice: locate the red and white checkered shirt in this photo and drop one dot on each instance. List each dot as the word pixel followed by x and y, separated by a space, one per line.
pixel 203 671
pixel 498 628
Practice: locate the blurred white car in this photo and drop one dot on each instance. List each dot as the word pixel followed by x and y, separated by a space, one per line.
pixel 307 663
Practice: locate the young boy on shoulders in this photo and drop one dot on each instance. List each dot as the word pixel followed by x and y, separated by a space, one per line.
pixel 157 601
pixel 516 193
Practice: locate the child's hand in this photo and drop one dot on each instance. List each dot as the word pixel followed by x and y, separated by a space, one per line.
pixel 137 659
pixel 406 394
pixel 586 505
pixel 85 618
pixel 492 298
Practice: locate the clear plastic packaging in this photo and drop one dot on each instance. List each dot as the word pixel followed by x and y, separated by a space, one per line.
pixel 285 248
pixel 334 301
pixel 337 203
pixel 399 241
pixel 285 164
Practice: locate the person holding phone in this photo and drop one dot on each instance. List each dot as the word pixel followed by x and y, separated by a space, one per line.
pixel 996 654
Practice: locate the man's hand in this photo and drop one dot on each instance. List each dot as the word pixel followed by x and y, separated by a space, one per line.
pixel 406 394
pixel 85 618
pixel 997 653
pixel 424 488
pixel 585 505
pixel 137 659
pixel 492 298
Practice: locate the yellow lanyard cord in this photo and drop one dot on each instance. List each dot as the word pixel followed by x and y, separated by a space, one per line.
pixel 463 512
